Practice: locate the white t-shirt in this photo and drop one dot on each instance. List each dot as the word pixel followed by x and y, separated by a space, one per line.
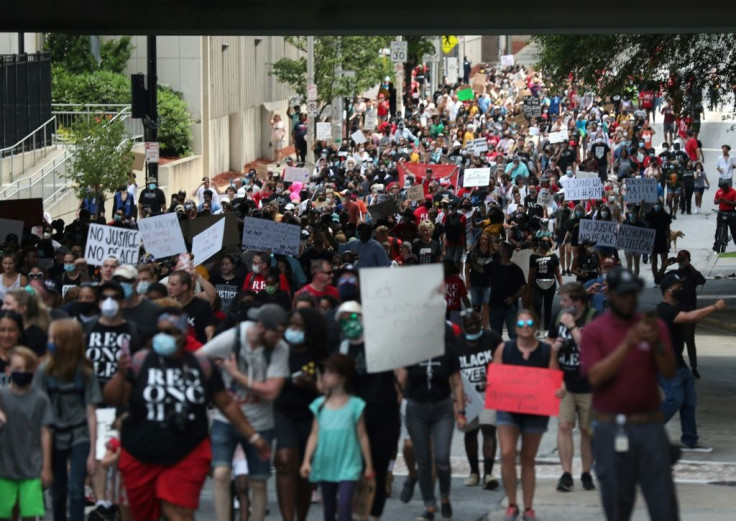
pixel 200 194
pixel 725 167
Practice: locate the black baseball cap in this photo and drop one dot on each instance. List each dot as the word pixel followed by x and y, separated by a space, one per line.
pixel 622 280
pixel 669 280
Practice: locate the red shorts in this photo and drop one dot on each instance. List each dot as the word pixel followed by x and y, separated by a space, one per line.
pixel 180 484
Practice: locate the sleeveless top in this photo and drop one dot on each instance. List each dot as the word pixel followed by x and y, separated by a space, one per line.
pixel 540 357
pixel 4 289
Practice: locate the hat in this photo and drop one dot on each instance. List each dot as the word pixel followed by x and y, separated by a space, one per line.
pixel 669 280
pixel 272 316
pixel 111 284
pixel 289 207
pixel 349 307
pixel 683 254
pixel 180 208
pixel 151 180
pixel 126 271
pixel 622 280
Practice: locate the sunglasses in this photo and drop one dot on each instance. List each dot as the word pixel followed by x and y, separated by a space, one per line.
pixel 35 275
pixel 525 323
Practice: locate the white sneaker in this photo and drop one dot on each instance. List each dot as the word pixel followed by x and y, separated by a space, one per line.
pixel 472 480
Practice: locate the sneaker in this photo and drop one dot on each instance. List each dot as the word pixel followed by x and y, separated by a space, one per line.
pixel 565 484
pixel 489 482
pixel 529 515
pixel 472 480
pixel 587 480
pixel 89 496
pixel 316 496
pixel 696 447
pixel 696 374
pixel 512 513
pixel 99 513
pixel 407 491
pixel 427 516
pixel 446 509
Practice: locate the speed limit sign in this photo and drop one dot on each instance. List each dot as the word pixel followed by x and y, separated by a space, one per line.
pixel 399 51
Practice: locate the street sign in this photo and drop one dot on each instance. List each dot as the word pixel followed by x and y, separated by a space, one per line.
pixel 399 51
pixel 431 58
pixel 448 43
pixel 312 108
pixel 312 92
pixel 152 150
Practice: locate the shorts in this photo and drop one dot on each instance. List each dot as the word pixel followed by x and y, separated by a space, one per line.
pixel 524 423
pixel 577 405
pixel 486 417
pixel 225 438
pixel 670 127
pixel 479 296
pixel 292 434
pixel 674 191
pixel 27 493
pixel 179 484
pixel 699 190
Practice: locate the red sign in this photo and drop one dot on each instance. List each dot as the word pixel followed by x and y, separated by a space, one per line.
pixel 418 170
pixel 528 390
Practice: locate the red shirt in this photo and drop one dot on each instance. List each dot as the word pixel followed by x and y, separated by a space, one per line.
pixel 421 213
pixel 330 291
pixel 455 291
pixel 257 283
pixel 647 99
pixel 729 195
pixel 634 388
pixel 691 147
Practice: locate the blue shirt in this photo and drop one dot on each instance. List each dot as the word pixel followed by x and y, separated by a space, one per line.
pixel 520 170
pixel 370 254
pixel 598 299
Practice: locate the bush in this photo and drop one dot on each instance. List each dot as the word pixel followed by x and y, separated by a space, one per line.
pixel 175 130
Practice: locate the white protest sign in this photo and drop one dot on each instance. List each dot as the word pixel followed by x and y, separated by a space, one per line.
pixel 415 193
pixel 162 235
pixel 208 242
pixel 105 419
pixel 404 307
pixel 476 177
pixel 474 403
pixel 358 137
pixel 601 233
pixel 582 174
pixel 477 146
pixel 104 241
pixel 533 131
pixel 324 131
pixel 371 119
pixel 583 189
pixel 640 189
pixel 636 239
pixel 558 137
pixel 507 60
pixel 264 235
pixel 294 174
pixel 521 259
pixel 8 226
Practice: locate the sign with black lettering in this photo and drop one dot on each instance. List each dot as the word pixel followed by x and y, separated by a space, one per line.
pixel 600 233
pixel 105 241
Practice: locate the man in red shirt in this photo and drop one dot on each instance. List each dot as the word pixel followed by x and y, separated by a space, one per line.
pixel 352 208
pixel 321 281
pixel 621 353
pixel 256 279
pixel 692 147
pixel 421 212
pixel 725 198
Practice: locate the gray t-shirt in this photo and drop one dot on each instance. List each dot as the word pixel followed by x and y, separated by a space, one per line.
pixel 69 405
pixel 144 315
pixel 252 363
pixel 21 456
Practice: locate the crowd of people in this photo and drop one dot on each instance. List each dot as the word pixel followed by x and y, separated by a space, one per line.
pixel 275 343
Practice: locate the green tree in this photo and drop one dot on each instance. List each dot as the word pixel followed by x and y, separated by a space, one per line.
pixel 417 47
pixel 73 53
pixel 175 128
pixel 115 53
pixel 101 157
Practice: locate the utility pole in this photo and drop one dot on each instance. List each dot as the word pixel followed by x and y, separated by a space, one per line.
pixel 399 68
pixel 310 81
pixel 337 104
pixel 152 116
pixel 21 43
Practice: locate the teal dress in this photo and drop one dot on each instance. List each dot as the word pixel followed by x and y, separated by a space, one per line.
pixel 338 456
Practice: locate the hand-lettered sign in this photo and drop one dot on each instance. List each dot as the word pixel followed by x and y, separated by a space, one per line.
pixel 526 390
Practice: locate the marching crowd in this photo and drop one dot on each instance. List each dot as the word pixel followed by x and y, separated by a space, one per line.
pixel 254 360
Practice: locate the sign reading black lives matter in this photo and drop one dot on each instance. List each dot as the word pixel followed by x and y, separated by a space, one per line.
pixel 106 241
pixel 638 190
pixel 600 233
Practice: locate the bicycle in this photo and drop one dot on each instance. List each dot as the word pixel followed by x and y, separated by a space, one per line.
pixel 722 225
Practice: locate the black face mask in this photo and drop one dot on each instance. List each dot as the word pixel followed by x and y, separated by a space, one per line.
pixel 21 378
pixel 619 313
pixel 87 308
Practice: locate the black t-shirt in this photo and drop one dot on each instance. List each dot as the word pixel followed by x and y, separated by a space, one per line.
pixel 569 354
pixel 227 290
pixel 545 265
pixel 505 282
pixel 474 359
pixel 600 152
pixel 4 377
pixel 427 253
pixel 533 208
pixel 479 276
pixel 152 199
pixel 668 313
pixel 36 338
pixel 566 159
pixel 200 316
pixel 690 279
pixel 429 381
pixel 293 402
pixel 168 407
pixel 104 345
pixel 454 228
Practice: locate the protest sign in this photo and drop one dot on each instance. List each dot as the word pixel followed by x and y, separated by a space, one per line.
pixel 207 243
pixel 476 177
pixel 601 233
pixel 192 227
pixel 105 241
pixel 558 137
pixel 521 259
pixel 383 209
pixel 8 226
pixel 162 235
pixel 532 107
pixel 371 119
pixel 465 95
pixel 474 403
pixel 583 189
pixel 582 174
pixel 105 431
pixel 30 211
pixel 507 60
pixel 264 235
pixel 640 189
pixel 525 390
pixel 404 308
pixel 476 146
pixel 324 131
pixel 479 82
pixel 533 131
pixel 415 193
pixel 293 174
pixel 636 239
pixel 358 137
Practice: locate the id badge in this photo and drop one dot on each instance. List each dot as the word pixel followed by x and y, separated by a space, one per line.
pixel 621 442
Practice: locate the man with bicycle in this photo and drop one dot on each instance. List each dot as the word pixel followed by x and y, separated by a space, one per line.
pixel 725 198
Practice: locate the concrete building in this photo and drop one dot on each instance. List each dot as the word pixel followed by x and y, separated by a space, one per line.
pixel 32 42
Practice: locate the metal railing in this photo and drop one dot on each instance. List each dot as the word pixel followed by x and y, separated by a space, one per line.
pixel 32 147
pixel 70 114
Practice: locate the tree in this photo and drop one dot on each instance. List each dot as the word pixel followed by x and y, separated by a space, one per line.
pixel 73 53
pixel 175 128
pixel 691 68
pixel 361 54
pixel 101 157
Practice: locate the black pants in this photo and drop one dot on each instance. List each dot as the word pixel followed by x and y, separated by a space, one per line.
pixel 688 335
pixel 384 438
pixel 686 198
pixel 301 150
pixel 543 298
pixel 726 219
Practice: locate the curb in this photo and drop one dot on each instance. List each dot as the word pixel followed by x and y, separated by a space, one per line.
pixel 721 325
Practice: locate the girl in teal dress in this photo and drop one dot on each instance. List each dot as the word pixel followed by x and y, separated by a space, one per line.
pixel 338 437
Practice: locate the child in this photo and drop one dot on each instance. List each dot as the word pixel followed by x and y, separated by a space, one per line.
pixel 337 439
pixel 273 294
pixel 456 294
pixel 25 438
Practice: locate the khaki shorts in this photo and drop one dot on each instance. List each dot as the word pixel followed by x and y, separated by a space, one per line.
pixel 576 404
pixel 486 417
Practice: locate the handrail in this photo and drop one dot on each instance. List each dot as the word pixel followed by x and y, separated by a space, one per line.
pixel 11 152
pixel 19 143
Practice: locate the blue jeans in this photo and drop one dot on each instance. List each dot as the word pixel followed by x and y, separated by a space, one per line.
pixel 479 295
pixel 69 484
pixel 454 253
pixel 225 438
pixel 679 395
pixel 498 316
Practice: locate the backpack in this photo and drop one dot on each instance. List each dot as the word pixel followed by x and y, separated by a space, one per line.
pixel 267 353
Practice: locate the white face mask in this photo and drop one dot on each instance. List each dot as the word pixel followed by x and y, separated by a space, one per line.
pixel 109 308
pixel 255 268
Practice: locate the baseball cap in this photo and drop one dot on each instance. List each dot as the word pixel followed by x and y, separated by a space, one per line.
pixel 349 307
pixel 126 271
pixel 669 280
pixel 683 254
pixel 272 316
pixel 151 180
pixel 111 284
pixel 289 207
pixel 622 280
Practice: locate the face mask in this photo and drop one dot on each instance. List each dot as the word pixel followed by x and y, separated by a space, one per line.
pixel 353 329
pixel 21 378
pixel 87 308
pixel 474 336
pixel 151 186
pixel 271 290
pixel 632 217
pixel 578 214
pixel 109 308
pixel 641 145
pixel 127 289
pixel 164 345
pixel 118 218
pixel 677 295
pixel 69 267
pixel 657 207
pixel 545 246
pixel 605 214
pixel 143 287
pixel 294 336
pixel 255 268
pixel 348 291
pixel 569 173
pixel 50 347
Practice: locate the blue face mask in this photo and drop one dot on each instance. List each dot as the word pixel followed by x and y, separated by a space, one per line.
pixel 294 336
pixel 69 267
pixel 164 345
pixel 578 214
pixel 142 287
pixel 474 336
pixel 50 347
pixel 151 186
pixel 657 207
pixel 127 289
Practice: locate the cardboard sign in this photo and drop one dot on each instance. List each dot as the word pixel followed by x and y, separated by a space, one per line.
pixel 474 403
pixel 582 174
pixel 105 241
pixel 558 137
pixel 358 137
pixel 371 119
pixel 208 243
pixel 192 227
pixel 507 60
pixel 601 233
pixel 476 177
pixel 415 193
pixel 383 209
pixel 262 235
pixel 324 131
pixel 162 235
pixel 640 189
pixel 402 307
pixel 583 189
pixel 8 226
pixel 525 390
pixel 636 239
pixel 294 174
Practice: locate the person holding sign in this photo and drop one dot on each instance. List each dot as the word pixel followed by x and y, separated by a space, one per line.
pixel 525 350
